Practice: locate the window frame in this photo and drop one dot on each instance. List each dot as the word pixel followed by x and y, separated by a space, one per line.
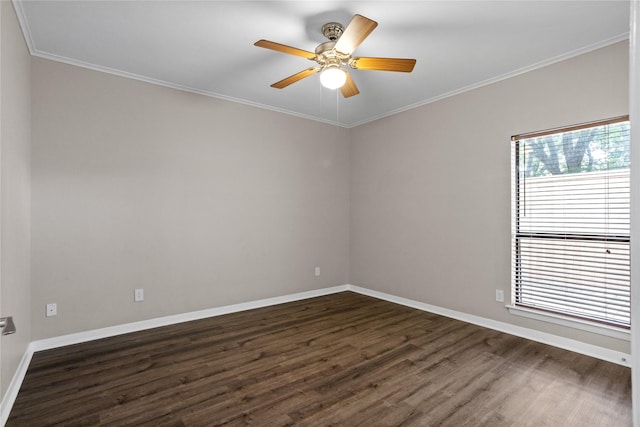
pixel 616 329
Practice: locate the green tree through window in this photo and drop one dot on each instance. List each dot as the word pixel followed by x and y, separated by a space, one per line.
pixel 586 150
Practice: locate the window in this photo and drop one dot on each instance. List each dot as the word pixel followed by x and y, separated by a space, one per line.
pixel 570 228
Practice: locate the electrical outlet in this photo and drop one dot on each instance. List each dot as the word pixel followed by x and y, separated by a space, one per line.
pixel 138 295
pixel 317 272
pixel 52 309
pixel 499 295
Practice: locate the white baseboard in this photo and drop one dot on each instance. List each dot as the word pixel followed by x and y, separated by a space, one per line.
pixel 111 331
pixel 531 334
pixel 64 340
pixel 14 386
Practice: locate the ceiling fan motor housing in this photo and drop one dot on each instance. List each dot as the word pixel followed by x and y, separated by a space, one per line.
pixel 327 55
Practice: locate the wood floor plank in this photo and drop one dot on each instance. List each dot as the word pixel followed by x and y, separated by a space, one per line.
pixel 341 359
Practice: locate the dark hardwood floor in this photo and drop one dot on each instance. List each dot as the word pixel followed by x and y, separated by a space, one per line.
pixel 343 359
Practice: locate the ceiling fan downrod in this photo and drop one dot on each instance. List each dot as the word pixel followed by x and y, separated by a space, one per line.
pixel 332 30
pixel 326 55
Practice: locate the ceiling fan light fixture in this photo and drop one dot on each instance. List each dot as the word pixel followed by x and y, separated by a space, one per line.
pixel 333 77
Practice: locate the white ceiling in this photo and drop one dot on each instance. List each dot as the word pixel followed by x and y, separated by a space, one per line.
pixel 207 46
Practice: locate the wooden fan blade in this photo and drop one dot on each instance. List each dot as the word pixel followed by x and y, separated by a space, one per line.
pixel 355 33
pixel 296 77
pixel 285 49
pixel 349 88
pixel 385 64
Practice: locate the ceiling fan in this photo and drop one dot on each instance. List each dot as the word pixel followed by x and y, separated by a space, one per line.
pixel 334 56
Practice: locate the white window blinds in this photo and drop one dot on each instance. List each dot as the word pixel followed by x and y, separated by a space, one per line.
pixel 571 213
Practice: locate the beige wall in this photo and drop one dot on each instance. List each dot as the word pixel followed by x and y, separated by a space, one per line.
pixel 430 188
pixel 201 202
pixel 15 135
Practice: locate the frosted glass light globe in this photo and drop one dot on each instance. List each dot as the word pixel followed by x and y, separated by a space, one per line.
pixel 333 77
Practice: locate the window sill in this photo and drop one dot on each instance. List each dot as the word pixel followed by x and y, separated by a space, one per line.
pixel 610 331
